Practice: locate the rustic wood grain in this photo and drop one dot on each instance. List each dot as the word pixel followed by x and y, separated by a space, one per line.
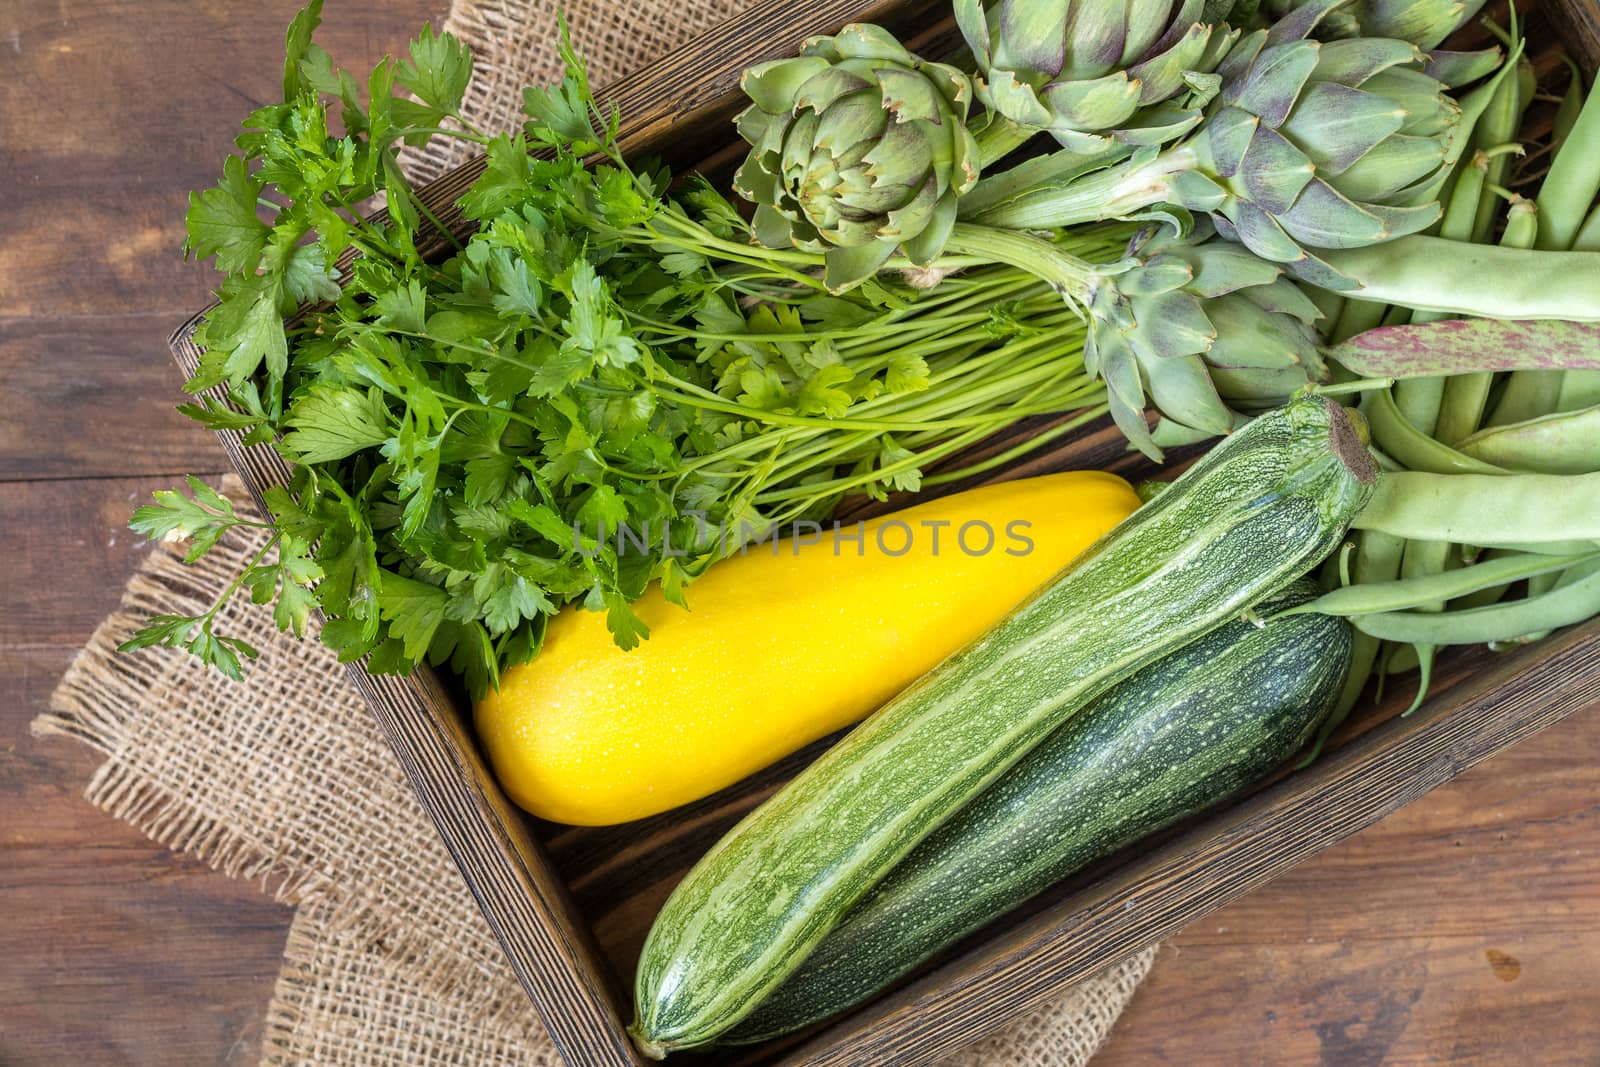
pixel 115 952
pixel 94 394
pixel 1390 948
pixel 115 111
pixel 112 950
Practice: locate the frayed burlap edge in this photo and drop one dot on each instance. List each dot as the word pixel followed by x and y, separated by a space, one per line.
pixel 253 782
pixel 343 999
pixel 513 44
pixel 104 692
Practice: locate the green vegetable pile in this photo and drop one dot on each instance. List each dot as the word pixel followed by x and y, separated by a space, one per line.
pixel 1492 443
pixel 469 436
pixel 613 350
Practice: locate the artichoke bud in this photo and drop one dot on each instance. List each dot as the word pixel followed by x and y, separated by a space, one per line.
pixel 857 148
pixel 1093 72
pixel 1319 144
pixel 1425 23
pixel 1205 330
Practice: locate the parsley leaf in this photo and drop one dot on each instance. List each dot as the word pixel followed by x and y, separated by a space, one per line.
pixel 223 221
pixel 331 422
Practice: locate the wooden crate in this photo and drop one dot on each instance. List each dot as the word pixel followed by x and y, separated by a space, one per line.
pixel 571 905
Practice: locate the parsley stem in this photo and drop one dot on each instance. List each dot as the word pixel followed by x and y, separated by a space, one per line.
pixel 1031 444
pixel 442 131
pixel 427 213
pixel 239 579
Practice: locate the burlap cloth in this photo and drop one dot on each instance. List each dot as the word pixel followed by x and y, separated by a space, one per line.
pixel 388 960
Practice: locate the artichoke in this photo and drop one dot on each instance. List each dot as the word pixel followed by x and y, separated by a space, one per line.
pixel 1321 145
pixel 858 148
pixel 1309 145
pixel 1090 71
pixel 1207 331
pixel 1425 23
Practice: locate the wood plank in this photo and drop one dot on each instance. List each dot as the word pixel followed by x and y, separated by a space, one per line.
pixel 95 395
pixel 113 950
pixel 114 113
pixel 1464 929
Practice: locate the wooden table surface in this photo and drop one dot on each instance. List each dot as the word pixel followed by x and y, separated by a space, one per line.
pixel 1464 930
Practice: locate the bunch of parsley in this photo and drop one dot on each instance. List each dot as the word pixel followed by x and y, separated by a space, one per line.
pixel 601 353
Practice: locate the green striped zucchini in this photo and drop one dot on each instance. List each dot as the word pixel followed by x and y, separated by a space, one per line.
pixel 1181 735
pixel 1259 509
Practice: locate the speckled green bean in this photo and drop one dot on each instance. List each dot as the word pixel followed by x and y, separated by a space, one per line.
pixel 1460 345
pixel 1485 509
pixel 1466 395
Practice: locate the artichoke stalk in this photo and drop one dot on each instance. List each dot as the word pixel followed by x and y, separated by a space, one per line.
pixel 1309 145
pixel 858 148
pixel 1091 72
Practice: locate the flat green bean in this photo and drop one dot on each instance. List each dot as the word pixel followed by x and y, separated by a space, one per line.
pixel 1414 450
pixel 1432 274
pixel 1485 509
pixel 1526 392
pixel 1570 188
pixel 1527 395
pixel 1405 594
pixel 1424 558
pixel 1564 443
pixel 1579 389
pixel 1547 548
pixel 1537 586
pixel 1461 409
pixel 1403 658
pixel 1499 622
pixel 1571 105
pixel 1500 123
pixel 1418 401
pixel 1377 560
pixel 1588 239
pixel 1357 317
pixel 1425 655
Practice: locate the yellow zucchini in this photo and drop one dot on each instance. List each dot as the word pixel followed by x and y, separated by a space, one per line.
pixel 780 646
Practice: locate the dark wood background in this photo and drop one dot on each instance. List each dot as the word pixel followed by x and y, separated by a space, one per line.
pixel 1464 930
